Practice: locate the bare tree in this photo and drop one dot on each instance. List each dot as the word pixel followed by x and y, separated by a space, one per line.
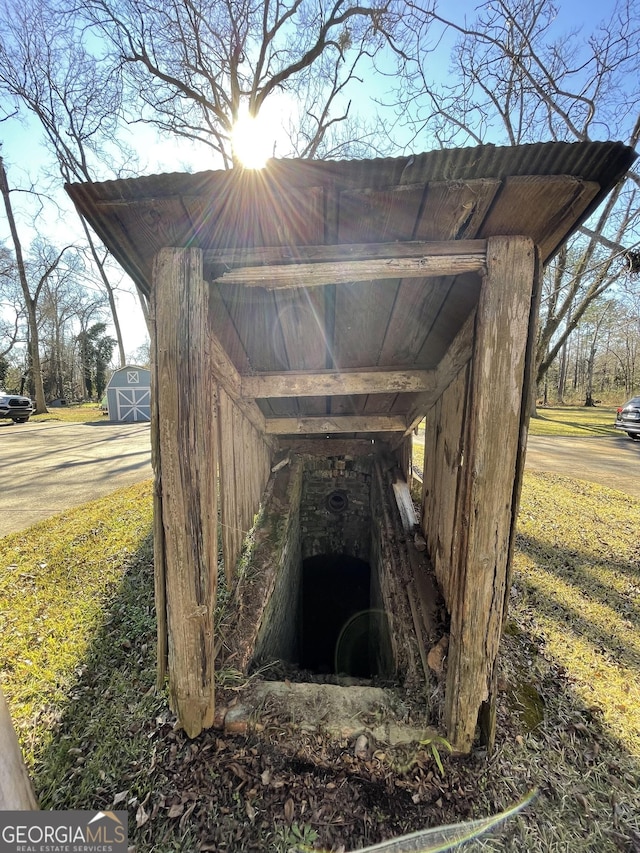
pixel 76 99
pixel 31 297
pixel 516 79
pixel 12 313
pixel 196 64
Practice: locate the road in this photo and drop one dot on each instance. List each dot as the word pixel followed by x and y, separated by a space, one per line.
pixel 49 467
pixel 612 461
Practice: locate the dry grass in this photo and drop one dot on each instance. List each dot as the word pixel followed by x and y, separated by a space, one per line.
pixel 79 413
pixel 574 420
pixel 77 646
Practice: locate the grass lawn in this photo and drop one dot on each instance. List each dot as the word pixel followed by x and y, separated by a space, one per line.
pixel 77 665
pixel 574 420
pixel 79 413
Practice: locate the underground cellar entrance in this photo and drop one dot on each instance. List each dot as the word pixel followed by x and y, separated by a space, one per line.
pixel 340 633
pixel 326 598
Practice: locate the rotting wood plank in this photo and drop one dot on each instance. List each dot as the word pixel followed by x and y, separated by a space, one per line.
pixel 293 255
pixel 454 209
pixel 159 574
pixel 493 420
pixel 335 424
pixel 456 357
pixel 347 272
pixel 188 437
pixel 232 534
pixel 332 383
pixel 443 458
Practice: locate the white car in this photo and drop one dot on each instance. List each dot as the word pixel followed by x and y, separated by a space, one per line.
pixel 16 407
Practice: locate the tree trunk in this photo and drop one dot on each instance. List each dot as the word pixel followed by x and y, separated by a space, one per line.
pixel 109 290
pixel 34 343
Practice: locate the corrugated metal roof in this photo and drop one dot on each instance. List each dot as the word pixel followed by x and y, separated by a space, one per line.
pixel 543 191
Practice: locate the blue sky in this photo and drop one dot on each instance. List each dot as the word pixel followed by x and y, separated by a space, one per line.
pixel 23 155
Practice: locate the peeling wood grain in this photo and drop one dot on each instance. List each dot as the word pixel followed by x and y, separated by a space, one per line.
pixel 490 466
pixel 188 436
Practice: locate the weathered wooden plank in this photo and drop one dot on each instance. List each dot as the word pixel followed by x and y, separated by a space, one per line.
pixel 16 790
pixel 331 383
pixel 225 331
pixel 376 215
pixel 493 422
pixel 345 272
pixel 455 208
pixel 232 533
pixel 290 254
pixel 552 201
pixel 159 575
pixel 338 424
pixel 415 310
pixel 443 458
pixel 456 357
pixel 334 446
pixel 188 438
pixel 301 318
pixel 457 306
pixel 360 321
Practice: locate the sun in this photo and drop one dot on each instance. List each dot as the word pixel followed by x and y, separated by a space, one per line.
pixel 254 138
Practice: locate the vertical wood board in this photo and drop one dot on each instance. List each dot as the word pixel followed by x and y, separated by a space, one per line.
pixel 493 420
pixel 188 434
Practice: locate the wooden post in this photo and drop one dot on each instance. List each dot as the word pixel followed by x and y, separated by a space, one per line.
pixel 16 791
pixel 186 400
pixel 488 484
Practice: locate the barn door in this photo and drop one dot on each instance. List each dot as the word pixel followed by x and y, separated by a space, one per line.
pixel 133 404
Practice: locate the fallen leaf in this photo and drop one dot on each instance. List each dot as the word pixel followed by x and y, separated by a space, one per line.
pixel 120 797
pixel 142 816
pixel 289 808
pixel 176 810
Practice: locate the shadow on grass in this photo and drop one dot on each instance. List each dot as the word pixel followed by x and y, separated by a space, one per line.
pixel 100 738
pixel 552 426
pixel 114 745
pixel 592 626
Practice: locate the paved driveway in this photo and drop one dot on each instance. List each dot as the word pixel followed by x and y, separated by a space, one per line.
pixel 612 461
pixel 49 467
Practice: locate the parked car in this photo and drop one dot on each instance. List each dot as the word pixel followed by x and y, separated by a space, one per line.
pixel 628 418
pixel 16 407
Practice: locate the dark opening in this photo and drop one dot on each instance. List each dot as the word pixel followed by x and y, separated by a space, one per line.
pixel 337 622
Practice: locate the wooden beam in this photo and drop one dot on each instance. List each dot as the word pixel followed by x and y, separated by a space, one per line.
pixel 315 266
pixel 336 424
pixel 324 447
pixel 187 424
pixel 333 383
pixel 488 473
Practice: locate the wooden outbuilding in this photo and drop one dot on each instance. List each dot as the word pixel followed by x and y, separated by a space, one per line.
pixel 326 308
pixel 128 394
